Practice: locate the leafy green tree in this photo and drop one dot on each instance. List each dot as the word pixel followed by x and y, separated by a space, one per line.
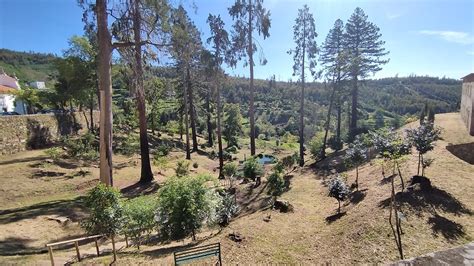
pixel 316 145
pixel 253 170
pixel 229 171
pixel 248 16
pixel 276 183
pixel 334 61
pixel 338 190
pixel 355 156
pixel 139 217
pixel 365 53
pixel 220 46
pixel 304 56
pixel 185 204
pixel 423 139
pixel 232 124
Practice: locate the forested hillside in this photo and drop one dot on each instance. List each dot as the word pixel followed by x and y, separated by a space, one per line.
pixel 390 99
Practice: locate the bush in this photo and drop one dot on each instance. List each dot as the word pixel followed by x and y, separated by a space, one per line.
pixel 276 184
pixel 231 149
pixel 163 150
pixel 195 165
pixel 316 144
pixel 252 169
pixel 185 204
pixel 105 211
pixel 139 217
pixel 85 147
pixel 335 144
pixel 229 170
pixel 161 162
pixel 127 145
pixel 54 152
pixel 182 168
pixel 338 190
pixel 227 209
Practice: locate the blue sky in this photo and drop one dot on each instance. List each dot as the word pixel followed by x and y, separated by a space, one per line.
pixel 424 37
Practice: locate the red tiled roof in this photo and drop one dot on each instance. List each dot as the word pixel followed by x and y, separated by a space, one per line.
pixel 468 78
pixel 6 90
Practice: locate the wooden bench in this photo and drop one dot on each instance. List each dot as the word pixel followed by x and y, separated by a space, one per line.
pixel 76 244
pixel 198 253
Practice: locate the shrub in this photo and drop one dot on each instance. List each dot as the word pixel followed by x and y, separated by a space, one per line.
pixel 105 211
pixel 182 168
pixel 232 149
pixel 338 190
pixel 227 209
pixel 54 152
pixel 252 169
pixel 195 165
pixel 85 147
pixel 335 144
pixel 316 144
pixel 355 156
pixel 163 150
pixel 185 204
pixel 229 170
pixel 139 217
pixel 127 145
pixel 423 139
pixel 161 162
pixel 276 184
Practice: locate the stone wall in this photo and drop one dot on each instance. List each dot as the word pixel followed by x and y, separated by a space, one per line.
pixel 21 132
pixel 467 108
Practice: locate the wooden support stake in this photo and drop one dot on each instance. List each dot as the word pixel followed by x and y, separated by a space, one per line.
pixel 113 248
pixel 97 247
pixel 50 251
pixel 77 251
pixel 126 241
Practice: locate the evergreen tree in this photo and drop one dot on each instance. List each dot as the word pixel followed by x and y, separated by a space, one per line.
pixel 232 124
pixel 365 53
pixel 305 51
pixel 248 16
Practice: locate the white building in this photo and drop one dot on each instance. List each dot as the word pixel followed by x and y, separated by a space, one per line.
pixel 8 87
pixel 38 85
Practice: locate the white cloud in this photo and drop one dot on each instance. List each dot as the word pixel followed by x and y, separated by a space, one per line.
pixel 451 36
pixel 392 16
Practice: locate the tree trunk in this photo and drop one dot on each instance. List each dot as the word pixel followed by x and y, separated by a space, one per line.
pixel 401 178
pixel 251 106
pixel 210 141
pixel 105 87
pixel 91 107
pixel 186 113
pixel 339 208
pixel 146 173
pixel 192 111
pixel 219 132
pixel 357 178
pixel 353 123
pixel 339 117
pixel 328 121
pixel 419 163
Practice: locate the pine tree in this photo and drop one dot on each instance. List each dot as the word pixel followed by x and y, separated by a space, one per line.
pixel 220 45
pixel 304 56
pixel 333 58
pixel 248 16
pixel 365 53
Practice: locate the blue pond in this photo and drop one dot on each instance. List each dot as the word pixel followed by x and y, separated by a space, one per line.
pixel 266 159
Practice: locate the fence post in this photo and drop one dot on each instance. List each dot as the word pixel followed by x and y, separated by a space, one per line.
pixel 220 260
pixel 77 251
pixel 50 251
pixel 97 247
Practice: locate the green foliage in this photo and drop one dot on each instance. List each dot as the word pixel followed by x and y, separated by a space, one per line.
pixel 276 183
pixel 232 124
pixel 338 190
pixel 128 144
pixel 182 168
pixel 227 209
pixel 160 161
pixel 185 204
pixel 232 149
pixel 229 170
pixel 423 137
pixel 139 217
pixel 105 211
pixel 356 154
pixel 252 168
pixel 316 144
pixel 54 152
pixel 85 147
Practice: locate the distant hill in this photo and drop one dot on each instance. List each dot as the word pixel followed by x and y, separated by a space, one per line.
pixel 28 66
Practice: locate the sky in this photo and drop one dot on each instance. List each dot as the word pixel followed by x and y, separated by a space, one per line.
pixel 424 37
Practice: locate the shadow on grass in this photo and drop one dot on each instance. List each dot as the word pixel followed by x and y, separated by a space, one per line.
pixel 425 200
pixel 45 173
pixel 71 208
pixel 447 228
pixel 332 218
pixel 139 189
pixel 463 151
pixel 25 160
pixel 387 179
pixel 357 196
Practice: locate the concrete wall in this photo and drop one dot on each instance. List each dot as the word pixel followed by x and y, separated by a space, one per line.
pixel 21 132
pixel 467 104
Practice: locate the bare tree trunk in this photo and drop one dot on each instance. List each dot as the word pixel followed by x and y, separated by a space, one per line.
pixel 192 110
pixel 339 117
pixel 219 132
pixel 186 113
pixel 353 123
pixel 105 87
pixel 328 121
pixel 91 129
pixel 401 178
pixel 210 141
pixel 251 106
pixel 146 173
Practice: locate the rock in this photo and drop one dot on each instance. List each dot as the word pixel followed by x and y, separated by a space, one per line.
pixel 50 161
pixel 267 218
pixel 60 219
pixel 236 237
pixel 283 206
